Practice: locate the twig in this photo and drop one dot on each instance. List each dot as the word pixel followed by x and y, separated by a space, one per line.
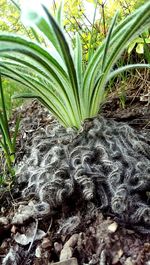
pixel 25 259
pixel 50 225
pixel 35 232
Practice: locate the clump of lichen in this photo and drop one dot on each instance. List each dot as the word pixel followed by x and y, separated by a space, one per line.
pixel 108 161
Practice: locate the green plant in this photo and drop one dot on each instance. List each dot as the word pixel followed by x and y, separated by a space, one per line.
pixel 139 43
pixel 9 90
pixel 56 75
pixel 7 142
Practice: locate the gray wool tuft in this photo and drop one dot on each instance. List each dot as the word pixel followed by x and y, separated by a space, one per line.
pixel 107 160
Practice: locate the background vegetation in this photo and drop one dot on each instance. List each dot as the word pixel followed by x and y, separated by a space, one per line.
pixel 77 18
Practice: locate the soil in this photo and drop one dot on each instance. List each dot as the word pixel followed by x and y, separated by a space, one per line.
pixel 80 230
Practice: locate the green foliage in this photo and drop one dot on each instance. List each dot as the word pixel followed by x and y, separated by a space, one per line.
pixel 139 42
pixel 7 140
pixel 9 90
pixel 55 75
pixel 77 20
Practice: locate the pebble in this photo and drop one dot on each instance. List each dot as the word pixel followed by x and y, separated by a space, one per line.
pixel 14 229
pixel 4 244
pixel 66 253
pixel 57 247
pixel 46 243
pixel 38 252
pixel 117 256
pixel 113 227
pixel 128 261
pixel 4 221
pixel 72 241
pixel 3 210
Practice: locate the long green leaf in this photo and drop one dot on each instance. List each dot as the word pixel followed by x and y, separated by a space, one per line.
pixel 56 106
pixel 46 61
pixel 4 121
pixel 107 42
pixel 126 68
pixel 59 14
pixel 68 60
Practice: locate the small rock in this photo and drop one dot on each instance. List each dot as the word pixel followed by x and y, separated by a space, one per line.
pixel 3 209
pixel 148 262
pixel 72 241
pixel 128 261
pixel 46 243
pixel 57 247
pixel 38 252
pixel 117 256
pixel 66 253
pixel 72 261
pixel 14 229
pixel 4 244
pixel 4 221
pixel 28 236
pixel 113 227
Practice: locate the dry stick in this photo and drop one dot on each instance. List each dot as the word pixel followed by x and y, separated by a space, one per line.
pixel 77 31
pixel 68 34
pixel 103 17
pixel 50 225
pixel 127 6
pixel 78 24
pixel 138 89
pixel 146 125
pixel 92 39
pixel 24 261
pixel 123 8
pixel 35 232
pixel 31 244
pixel 88 20
pixel 54 6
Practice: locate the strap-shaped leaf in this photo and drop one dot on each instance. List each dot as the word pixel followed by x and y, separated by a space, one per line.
pixel 59 14
pixel 67 58
pixel 46 62
pixel 55 104
pixel 78 60
pixel 4 121
pixel 47 87
pixel 36 18
pixel 107 42
pixel 126 68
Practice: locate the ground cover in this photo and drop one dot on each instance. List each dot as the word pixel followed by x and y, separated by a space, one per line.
pixel 96 235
